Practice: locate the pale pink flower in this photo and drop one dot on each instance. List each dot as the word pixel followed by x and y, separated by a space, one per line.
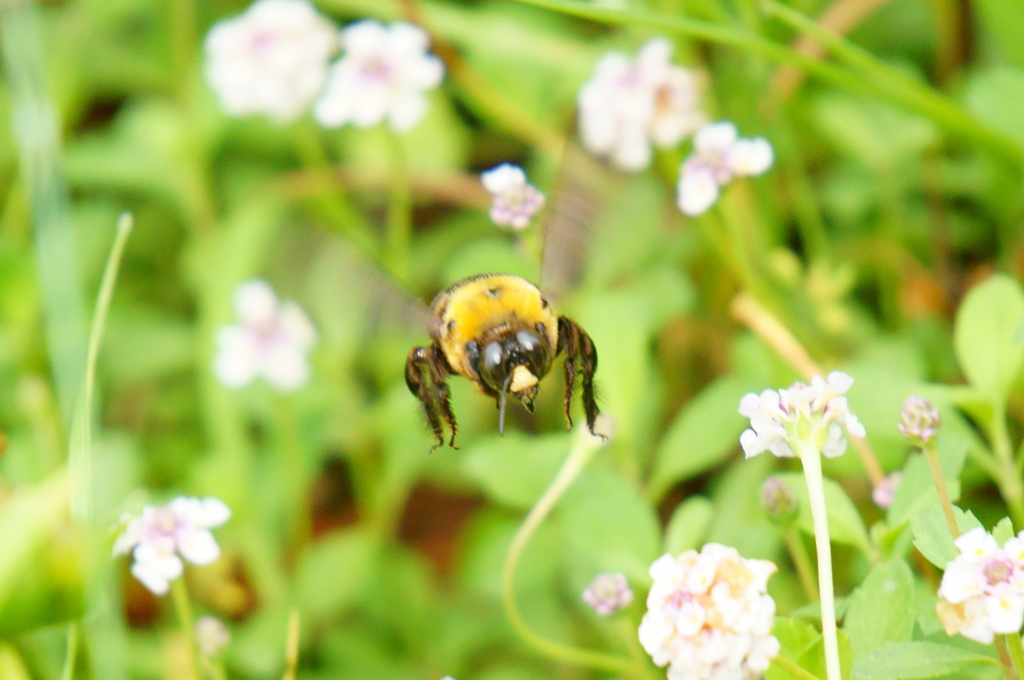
pixel 719 155
pixel 709 615
pixel 272 59
pixel 628 106
pixel 884 493
pixel 816 414
pixel 982 590
pixel 272 341
pixel 162 536
pixel 383 74
pixel 212 635
pixel 514 200
pixel 919 420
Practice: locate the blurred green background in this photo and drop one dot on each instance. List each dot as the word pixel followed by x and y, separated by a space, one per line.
pixel 896 188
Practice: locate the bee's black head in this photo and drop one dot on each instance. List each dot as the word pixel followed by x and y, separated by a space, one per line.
pixel 514 362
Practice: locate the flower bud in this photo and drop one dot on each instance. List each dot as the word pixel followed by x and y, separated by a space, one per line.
pixel 919 420
pixel 211 635
pixel 883 494
pixel 779 502
pixel 608 593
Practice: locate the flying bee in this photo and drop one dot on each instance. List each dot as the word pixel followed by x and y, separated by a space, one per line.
pixel 501 332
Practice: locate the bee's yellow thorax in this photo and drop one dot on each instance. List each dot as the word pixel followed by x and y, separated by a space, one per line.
pixel 481 305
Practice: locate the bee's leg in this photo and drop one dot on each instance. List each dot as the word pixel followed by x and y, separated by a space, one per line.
pixel 439 372
pixel 581 356
pixel 425 378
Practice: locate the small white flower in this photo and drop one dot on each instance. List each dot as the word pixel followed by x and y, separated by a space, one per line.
pixel 719 155
pixel 514 200
pixel 272 341
pixel 608 593
pixel 982 590
pixel 382 75
pixel 161 536
pixel 709 615
pixel 817 414
pixel 628 106
pixel 272 59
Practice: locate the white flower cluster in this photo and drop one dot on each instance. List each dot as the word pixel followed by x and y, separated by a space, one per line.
pixel 629 105
pixel 816 414
pixel 271 59
pixel 382 75
pixel 982 589
pixel 608 593
pixel 719 155
pixel 274 59
pixel 272 341
pixel 709 616
pixel 160 537
pixel 514 201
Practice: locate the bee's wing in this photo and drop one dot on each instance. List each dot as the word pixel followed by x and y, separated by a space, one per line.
pixel 580 196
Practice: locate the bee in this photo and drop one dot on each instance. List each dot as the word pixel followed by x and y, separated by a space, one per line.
pixel 501 332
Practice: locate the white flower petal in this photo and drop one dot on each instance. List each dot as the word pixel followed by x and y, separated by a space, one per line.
pixel 198 546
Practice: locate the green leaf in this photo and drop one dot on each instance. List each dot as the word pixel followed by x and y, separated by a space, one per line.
pixel 985 325
pixel 1005 22
pixel 688 525
pixel 931 533
pixel 907 660
pixel 882 608
pixel 795 637
pixel 814 658
pixel 844 522
pixel 607 521
pixel 705 432
pixel 515 469
pixel 333 574
pixel 1003 531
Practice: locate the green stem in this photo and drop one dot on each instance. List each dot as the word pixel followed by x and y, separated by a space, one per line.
pixel 72 653
pixel 932 455
pixel 292 468
pixel 1010 484
pixel 573 465
pixel 798 551
pixel 793 669
pixel 1013 646
pixel 183 610
pixel 399 226
pixel 811 459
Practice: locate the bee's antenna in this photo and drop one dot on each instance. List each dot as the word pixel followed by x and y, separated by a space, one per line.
pixel 501 407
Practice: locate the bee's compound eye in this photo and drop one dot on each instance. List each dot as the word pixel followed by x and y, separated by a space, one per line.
pixel 492 356
pixel 451 325
pixel 527 340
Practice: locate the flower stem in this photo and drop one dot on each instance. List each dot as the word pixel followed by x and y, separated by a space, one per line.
pixel 793 669
pixel 932 455
pixel 1010 484
pixel 183 610
pixel 811 459
pixel 798 551
pixel 573 465
pixel 1016 650
pixel 292 468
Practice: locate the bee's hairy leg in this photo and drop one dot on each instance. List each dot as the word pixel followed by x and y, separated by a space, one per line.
pixel 425 376
pixel 580 356
pixel 439 372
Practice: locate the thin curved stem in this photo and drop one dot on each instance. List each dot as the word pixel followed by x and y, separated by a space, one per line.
pixel 940 484
pixel 574 463
pixel 183 610
pixel 798 551
pixel 793 669
pixel 811 459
